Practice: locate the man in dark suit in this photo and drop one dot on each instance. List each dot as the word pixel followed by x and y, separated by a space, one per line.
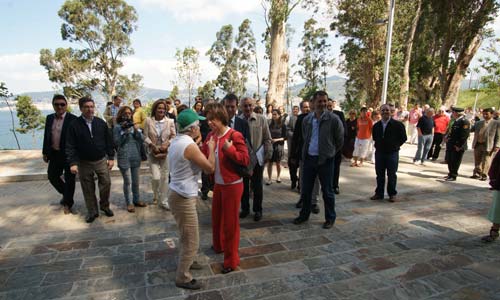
pixel 238 124
pixel 456 143
pixel 388 136
pixel 54 144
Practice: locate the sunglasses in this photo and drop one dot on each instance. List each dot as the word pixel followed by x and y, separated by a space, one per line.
pixel 60 104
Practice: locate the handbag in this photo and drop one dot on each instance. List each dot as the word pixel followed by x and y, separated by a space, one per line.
pixel 144 156
pixel 242 170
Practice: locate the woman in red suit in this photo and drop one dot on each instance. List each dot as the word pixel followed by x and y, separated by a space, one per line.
pixel 230 149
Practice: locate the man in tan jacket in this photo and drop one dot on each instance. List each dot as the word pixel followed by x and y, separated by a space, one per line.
pixel 485 143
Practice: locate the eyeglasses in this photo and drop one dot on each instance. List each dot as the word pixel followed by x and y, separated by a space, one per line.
pixel 60 104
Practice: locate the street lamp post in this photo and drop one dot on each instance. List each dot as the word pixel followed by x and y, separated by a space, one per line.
pixel 388 51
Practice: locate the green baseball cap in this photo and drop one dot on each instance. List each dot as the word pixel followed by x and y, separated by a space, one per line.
pixel 188 117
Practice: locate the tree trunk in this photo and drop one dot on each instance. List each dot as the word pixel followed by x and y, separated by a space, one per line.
pixel 463 61
pixel 257 74
pixel 278 65
pixel 405 85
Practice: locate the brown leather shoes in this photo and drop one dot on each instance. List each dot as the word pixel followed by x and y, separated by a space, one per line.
pixel 393 198
pixel 140 204
pixel 376 197
pixel 130 208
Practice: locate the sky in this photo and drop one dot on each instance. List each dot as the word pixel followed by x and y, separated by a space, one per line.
pixel 163 26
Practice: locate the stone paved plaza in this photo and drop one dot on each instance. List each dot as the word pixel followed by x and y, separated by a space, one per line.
pixel 427 246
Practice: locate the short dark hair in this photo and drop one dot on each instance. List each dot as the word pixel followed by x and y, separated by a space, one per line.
pixel 121 112
pixel 217 111
pixel 181 108
pixel 58 97
pixel 231 97
pixel 115 97
pixel 363 108
pixel 84 100
pixel 489 110
pixel 319 94
pixel 301 104
pixel 137 101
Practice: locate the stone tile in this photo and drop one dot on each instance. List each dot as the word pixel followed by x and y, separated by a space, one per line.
pixel 355 286
pixel 260 224
pixel 57 266
pixel 160 277
pixel 276 271
pixel 276 238
pixel 86 253
pixel 256 291
pixel 60 247
pixel 108 284
pixel 283 257
pixel 319 262
pixel 450 262
pixel 307 243
pixel 254 262
pixel 210 295
pixel 486 269
pixel 336 247
pixel 49 292
pixel 15 252
pixel 4 274
pixel 149 246
pixel 163 291
pixel 22 280
pixel 380 263
pixel 160 254
pixel 223 281
pixel 316 293
pixel 410 290
pixel 113 260
pixel 261 250
pixel 316 278
pixel 13 295
pixel 77 275
pixel 11 262
pixel 116 241
pixel 418 270
pixel 39 259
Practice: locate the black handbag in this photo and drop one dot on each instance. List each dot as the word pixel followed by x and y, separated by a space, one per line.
pixel 242 170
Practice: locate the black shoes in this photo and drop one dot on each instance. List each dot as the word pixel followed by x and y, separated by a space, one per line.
pixel 91 218
pixel 107 211
pixel 299 204
pixel 336 190
pixel 315 209
pixel 257 217
pixel 328 224
pixel 475 176
pixel 299 220
pixel 294 185
pixel 227 270
pixel 204 196
pixel 192 285
pixel 244 214
pixel 450 179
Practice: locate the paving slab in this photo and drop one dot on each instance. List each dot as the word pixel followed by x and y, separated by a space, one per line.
pixel 427 246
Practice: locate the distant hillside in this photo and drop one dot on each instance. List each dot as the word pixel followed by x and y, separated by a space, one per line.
pixel 335 88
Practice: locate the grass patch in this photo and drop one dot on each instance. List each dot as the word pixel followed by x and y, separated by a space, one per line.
pixel 484 99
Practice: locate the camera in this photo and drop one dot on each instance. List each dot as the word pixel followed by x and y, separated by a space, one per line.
pixel 127 124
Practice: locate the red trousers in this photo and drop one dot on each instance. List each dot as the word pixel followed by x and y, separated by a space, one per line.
pixel 226 222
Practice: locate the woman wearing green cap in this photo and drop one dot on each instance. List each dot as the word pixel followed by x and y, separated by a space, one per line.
pixel 230 149
pixel 186 162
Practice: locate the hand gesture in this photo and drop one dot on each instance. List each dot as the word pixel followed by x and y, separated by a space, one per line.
pixel 211 144
pixel 74 169
pixel 110 164
pixel 46 158
pixel 227 144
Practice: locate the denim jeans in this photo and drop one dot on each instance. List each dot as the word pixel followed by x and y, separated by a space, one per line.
pixel 325 174
pixel 386 161
pixel 424 143
pixel 135 184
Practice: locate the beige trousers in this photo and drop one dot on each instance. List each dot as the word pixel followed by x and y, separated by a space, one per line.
pixel 159 180
pixel 186 217
pixel 482 160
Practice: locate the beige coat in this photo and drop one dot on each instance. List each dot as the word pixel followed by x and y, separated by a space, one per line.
pixel 492 134
pixel 151 135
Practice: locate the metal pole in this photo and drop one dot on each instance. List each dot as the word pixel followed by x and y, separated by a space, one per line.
pixel 388 52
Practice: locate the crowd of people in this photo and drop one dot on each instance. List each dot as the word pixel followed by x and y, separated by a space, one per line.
pixel 230 143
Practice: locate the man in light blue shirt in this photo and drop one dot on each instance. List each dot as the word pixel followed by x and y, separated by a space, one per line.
pixel 323 134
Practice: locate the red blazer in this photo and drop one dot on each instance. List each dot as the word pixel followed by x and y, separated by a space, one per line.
pixel 237 153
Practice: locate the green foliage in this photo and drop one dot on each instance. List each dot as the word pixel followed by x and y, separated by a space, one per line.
pixel 102 28
pixel 207 91
pixel 148 108
pixel 491 64
pixel 174 94
pixel 129 88
pixel 485 99
pixel 315 58
pixel 188 68
pixel 30 117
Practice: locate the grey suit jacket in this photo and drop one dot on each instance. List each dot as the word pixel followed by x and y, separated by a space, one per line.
pixel 492 134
